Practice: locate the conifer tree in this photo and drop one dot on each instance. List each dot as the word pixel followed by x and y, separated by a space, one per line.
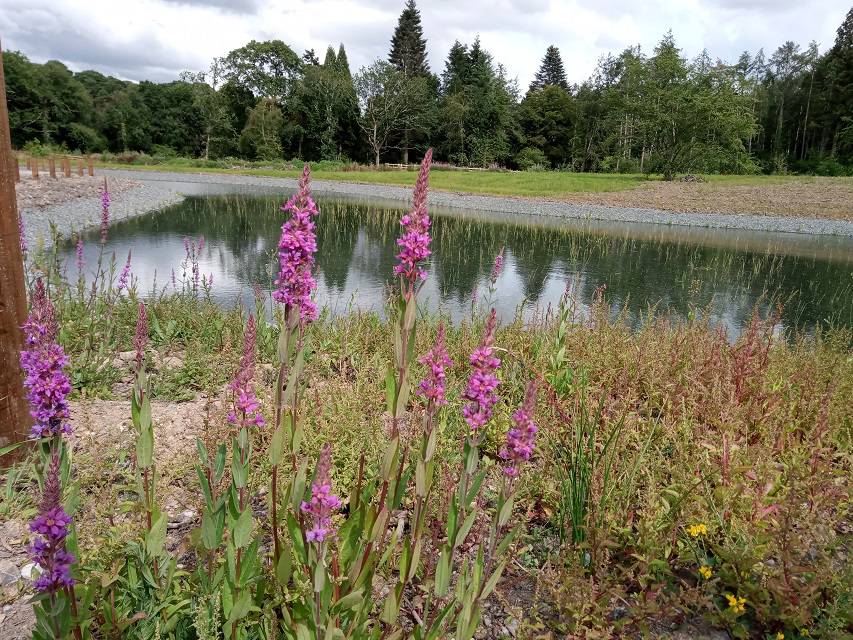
pixel 408 46
pixel 342 62
pixel 551 71
pixel 330 61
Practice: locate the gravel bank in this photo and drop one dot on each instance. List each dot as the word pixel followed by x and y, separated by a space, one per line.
pixel 81 213
pixel 161 188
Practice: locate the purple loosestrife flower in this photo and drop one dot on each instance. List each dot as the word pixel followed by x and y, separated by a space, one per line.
pixel 483 383
pixel 323 502
pixel 105 212
pixel 43 362
pixel 51 527
pixel 79 251
pixel 296 249
pixel 415 240
pixel 247 409
pixel 432 387
pixel 521 438
pixel 124 275
pixel 498 267
pixel 140 340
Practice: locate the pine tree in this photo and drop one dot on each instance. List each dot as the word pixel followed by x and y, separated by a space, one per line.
pixel 408 46
pixel 330 61
pixel 456 69
pixel 342 62
pixel 551 71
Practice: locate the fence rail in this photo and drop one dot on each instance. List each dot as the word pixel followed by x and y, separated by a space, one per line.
pixel 35 164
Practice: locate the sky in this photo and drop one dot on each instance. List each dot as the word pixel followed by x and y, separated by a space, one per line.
pixel 157 39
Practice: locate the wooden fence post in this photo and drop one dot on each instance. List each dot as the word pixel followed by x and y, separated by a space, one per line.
pixel 14 412
pixel 91 166
pixel 51 163
pixel 34 166
pixel 79 166
pixel 66 167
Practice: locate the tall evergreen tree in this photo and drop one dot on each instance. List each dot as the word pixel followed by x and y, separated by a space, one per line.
pixel 330 61
pixel 408 46
pixel 342 62
pixel 456 69
pixel 551 71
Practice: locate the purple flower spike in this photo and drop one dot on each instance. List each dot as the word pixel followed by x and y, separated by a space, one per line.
pixel 436 359
pixel 296 249
pixel 323 502
pixel 79 251
pixel 105 212
pixel 51 527
pixel 124 275
pixel 415 240
pixel 521 438
pixel 43 362
pixel 247 409
pixel 483 383
pixel 498 267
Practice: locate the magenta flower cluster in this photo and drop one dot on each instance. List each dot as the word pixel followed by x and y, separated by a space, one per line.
pixel 105 212
pixel 498 266
pixel 432 387
pixel 481 391
pixel 296 249
pixel 414 243
pixel 521 438
pixel 323 502
pixel 124 275
pixel 247 408
pixel 52 526
pixel 43 362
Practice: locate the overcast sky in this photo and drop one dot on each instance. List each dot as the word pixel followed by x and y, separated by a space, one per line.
pixel 157 39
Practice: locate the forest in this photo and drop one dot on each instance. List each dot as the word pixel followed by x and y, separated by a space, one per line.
pixel 640 112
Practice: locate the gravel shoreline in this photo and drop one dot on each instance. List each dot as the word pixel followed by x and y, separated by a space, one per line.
pixel 162 188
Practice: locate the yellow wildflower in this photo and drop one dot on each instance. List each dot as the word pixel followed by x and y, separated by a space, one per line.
pixel 780 636
pixel 805 633
pixel 696 530
pixel 705 571
pixel 736 604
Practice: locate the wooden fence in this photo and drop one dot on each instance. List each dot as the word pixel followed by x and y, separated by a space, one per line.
pixel 54 166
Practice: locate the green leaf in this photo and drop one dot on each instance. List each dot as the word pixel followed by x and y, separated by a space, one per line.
pixel 284 566
pixel 239 610
pixel 475 487
pixel 297 492
pixel 155 539
pixel 504 544
pixel 493 580
pixel 296 538
pixel 464 529
pixel 202 452
pixel 145 448
pixel 276 446
pixel 506 511
pixel 442 573
pixel 390 389
pixel 243 529
pixel 319 577
pixel 219 465
pixel 212 526
pixel 350 601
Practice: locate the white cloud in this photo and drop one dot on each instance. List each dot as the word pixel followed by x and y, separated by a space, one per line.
pixel 157 39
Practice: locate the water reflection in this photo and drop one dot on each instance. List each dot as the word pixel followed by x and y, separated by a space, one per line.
pixel 356 248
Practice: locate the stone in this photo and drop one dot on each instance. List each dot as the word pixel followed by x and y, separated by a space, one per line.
pixel 28 571
pixel 9 573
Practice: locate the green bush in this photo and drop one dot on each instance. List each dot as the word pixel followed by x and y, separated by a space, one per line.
pixel 531 158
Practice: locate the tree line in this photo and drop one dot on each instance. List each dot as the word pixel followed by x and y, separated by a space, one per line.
pixel 639 112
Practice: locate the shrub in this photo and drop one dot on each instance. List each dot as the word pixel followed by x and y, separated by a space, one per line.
pixel 531 158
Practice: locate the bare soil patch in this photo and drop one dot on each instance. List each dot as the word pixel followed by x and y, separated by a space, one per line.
pixel 47 191
pixel 828 198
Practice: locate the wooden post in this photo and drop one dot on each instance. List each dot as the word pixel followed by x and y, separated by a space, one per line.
pixel 17 168
pixel 79 166
pixel 66 167
pixel 51 163
pixel 34 165
pixel 14 412
pixel 91 166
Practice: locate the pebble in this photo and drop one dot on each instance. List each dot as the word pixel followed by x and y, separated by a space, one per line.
pixel 28 571
pixel 9 573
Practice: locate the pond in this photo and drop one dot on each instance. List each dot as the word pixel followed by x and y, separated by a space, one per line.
pixel 644 269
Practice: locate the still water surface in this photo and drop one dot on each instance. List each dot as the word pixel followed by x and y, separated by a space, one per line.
pixel 725 274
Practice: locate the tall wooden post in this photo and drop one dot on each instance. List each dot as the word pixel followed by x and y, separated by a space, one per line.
pixel 14 418
pixel 34 165
pixel 91 166
pixel 51 163
pixel 80 166
pixel 66 167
